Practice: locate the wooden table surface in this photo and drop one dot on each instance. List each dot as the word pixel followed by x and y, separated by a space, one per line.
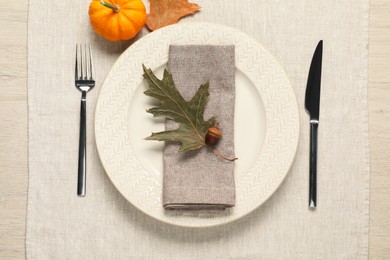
pixel 14 128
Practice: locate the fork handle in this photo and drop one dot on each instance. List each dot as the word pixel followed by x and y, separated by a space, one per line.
pixel 82 169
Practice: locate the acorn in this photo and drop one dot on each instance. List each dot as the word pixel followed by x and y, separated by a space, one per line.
pixel 213 136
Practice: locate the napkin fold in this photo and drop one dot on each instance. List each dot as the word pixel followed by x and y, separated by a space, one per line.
pixel 200 180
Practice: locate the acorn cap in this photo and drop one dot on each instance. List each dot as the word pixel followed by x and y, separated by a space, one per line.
pixel 213 136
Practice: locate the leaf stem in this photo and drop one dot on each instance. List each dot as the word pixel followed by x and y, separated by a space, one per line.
pixel 215 151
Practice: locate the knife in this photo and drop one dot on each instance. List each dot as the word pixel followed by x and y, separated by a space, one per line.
pixel 312 104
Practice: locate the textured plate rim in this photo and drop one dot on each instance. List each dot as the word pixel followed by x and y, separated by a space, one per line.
pixel 101 127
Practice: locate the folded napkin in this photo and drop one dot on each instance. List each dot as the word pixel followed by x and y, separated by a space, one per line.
pixel 200 180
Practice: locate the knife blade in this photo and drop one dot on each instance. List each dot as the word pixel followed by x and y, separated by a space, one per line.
pixel 312 104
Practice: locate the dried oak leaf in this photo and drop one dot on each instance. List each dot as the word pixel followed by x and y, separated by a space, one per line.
pixel 193 130
pixel 188 114
pixel 166 12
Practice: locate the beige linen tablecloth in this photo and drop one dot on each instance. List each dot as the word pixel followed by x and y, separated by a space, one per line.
pixel 105 226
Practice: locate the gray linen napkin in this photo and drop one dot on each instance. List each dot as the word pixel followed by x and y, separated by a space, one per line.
pixel 200 180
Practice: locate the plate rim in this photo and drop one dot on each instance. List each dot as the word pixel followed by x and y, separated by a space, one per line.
pixel 294 103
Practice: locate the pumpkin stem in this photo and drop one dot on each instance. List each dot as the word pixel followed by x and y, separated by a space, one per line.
pixel 116 8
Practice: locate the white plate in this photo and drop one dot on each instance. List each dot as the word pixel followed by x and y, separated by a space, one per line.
pixel 266 123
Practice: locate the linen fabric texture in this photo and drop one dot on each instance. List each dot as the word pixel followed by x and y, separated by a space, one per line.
pixel 200 180
pixel 103 225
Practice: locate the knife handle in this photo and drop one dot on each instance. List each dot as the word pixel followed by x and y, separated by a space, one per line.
pixel 313 164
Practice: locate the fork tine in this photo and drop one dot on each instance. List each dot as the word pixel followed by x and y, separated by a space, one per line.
pixel 86 61
pixel 76 73
pixel 81 62
pixel 91 63
pixel 84 68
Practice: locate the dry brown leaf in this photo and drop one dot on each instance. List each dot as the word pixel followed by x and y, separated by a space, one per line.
pixel 166 12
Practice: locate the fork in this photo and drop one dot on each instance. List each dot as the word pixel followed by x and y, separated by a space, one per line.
pixel 84 81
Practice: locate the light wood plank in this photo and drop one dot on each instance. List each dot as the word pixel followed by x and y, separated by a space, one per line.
pixel 13 128
pixel 379 128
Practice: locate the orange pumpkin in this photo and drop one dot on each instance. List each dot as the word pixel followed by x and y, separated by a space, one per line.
pixel 117 20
